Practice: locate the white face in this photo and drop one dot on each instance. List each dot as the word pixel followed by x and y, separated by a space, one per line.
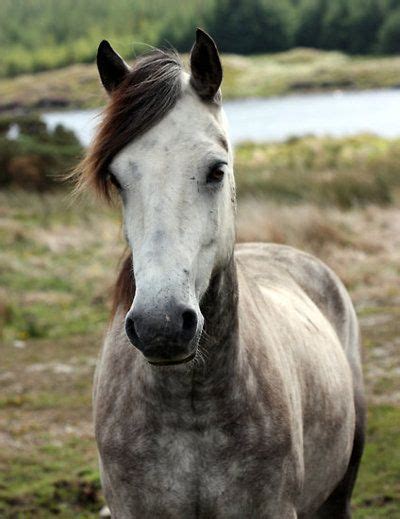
pixel 178 216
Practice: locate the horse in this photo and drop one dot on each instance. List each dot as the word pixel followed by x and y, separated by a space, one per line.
pixel 229 384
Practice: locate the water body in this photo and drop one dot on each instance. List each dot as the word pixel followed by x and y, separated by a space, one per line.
pixel 278 118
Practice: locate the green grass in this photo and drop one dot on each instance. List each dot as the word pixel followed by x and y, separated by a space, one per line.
pixel 378 486
pixel 58 481
pixel 346 172
pixel 61 477
pixel 48 264
pixel 57 264
pixel 48 462
pixel 296 70
pixel 48 466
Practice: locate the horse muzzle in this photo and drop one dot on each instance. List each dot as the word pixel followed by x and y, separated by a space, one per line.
pixel 165 336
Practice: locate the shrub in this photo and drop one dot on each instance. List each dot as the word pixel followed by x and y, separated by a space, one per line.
pixel 32 156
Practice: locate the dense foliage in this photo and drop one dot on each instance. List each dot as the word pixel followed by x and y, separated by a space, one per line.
pixel 32 156
pixel 44 34
pixel 259 26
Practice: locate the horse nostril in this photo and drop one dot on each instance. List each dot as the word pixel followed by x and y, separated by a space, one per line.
pixel 189 323
pixel 132 333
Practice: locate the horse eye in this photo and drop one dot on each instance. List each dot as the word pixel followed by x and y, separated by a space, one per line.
pixel 215 175
pixel 114 181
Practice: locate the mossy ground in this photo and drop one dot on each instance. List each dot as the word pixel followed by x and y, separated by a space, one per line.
pixel 57 264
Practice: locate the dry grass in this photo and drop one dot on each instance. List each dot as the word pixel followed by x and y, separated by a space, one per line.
pixel 73 86
pixel 253 76
pixel 57 263
pixel 346 172
pixel 361 245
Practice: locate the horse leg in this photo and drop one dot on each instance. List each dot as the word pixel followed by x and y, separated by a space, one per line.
pixel 337 506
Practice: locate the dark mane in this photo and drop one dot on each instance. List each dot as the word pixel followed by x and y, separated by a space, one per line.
pixel 124 289
pixel 143 98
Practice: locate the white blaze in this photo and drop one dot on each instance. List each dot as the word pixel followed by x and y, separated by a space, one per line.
pixel 180 227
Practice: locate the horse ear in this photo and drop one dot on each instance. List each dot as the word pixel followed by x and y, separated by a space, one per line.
pixel 112 68
pixel 205 66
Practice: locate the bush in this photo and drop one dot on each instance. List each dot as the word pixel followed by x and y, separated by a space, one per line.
pixel 31 156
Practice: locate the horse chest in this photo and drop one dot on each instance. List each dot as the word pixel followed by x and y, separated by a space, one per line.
pixel 195 470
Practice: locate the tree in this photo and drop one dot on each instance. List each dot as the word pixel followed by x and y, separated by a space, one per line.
pixel 309 28
pixel 389 35
pixel 365 20
pixel 335 26
pixel 253 26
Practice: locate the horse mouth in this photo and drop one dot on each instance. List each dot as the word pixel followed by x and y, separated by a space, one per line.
pixel 171 362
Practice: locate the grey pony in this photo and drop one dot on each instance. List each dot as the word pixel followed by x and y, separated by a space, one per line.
pixel 267 420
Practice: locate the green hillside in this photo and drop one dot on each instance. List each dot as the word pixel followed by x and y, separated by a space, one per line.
pixel 44 34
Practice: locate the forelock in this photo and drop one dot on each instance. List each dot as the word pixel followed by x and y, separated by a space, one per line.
pixel 144 97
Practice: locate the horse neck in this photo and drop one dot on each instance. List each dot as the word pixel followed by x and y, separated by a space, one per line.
pixel 209 388
pixel 219 361
pixel 220 310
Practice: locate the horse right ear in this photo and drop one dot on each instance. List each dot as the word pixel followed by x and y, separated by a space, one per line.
pixel 112 68
pixel 205 67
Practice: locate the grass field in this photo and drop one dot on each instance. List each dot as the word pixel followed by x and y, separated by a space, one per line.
pixel 297 70
pixel 346 172
pixel 57 265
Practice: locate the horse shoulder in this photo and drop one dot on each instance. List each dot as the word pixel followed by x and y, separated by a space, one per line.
pixel 318 282
pixel 310 312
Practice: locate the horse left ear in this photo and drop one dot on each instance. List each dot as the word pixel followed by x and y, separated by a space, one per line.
pixel 112 68
pixel 205 67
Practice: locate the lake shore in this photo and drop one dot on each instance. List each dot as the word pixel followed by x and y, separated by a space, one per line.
pixel 294 71
pixel 277 119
